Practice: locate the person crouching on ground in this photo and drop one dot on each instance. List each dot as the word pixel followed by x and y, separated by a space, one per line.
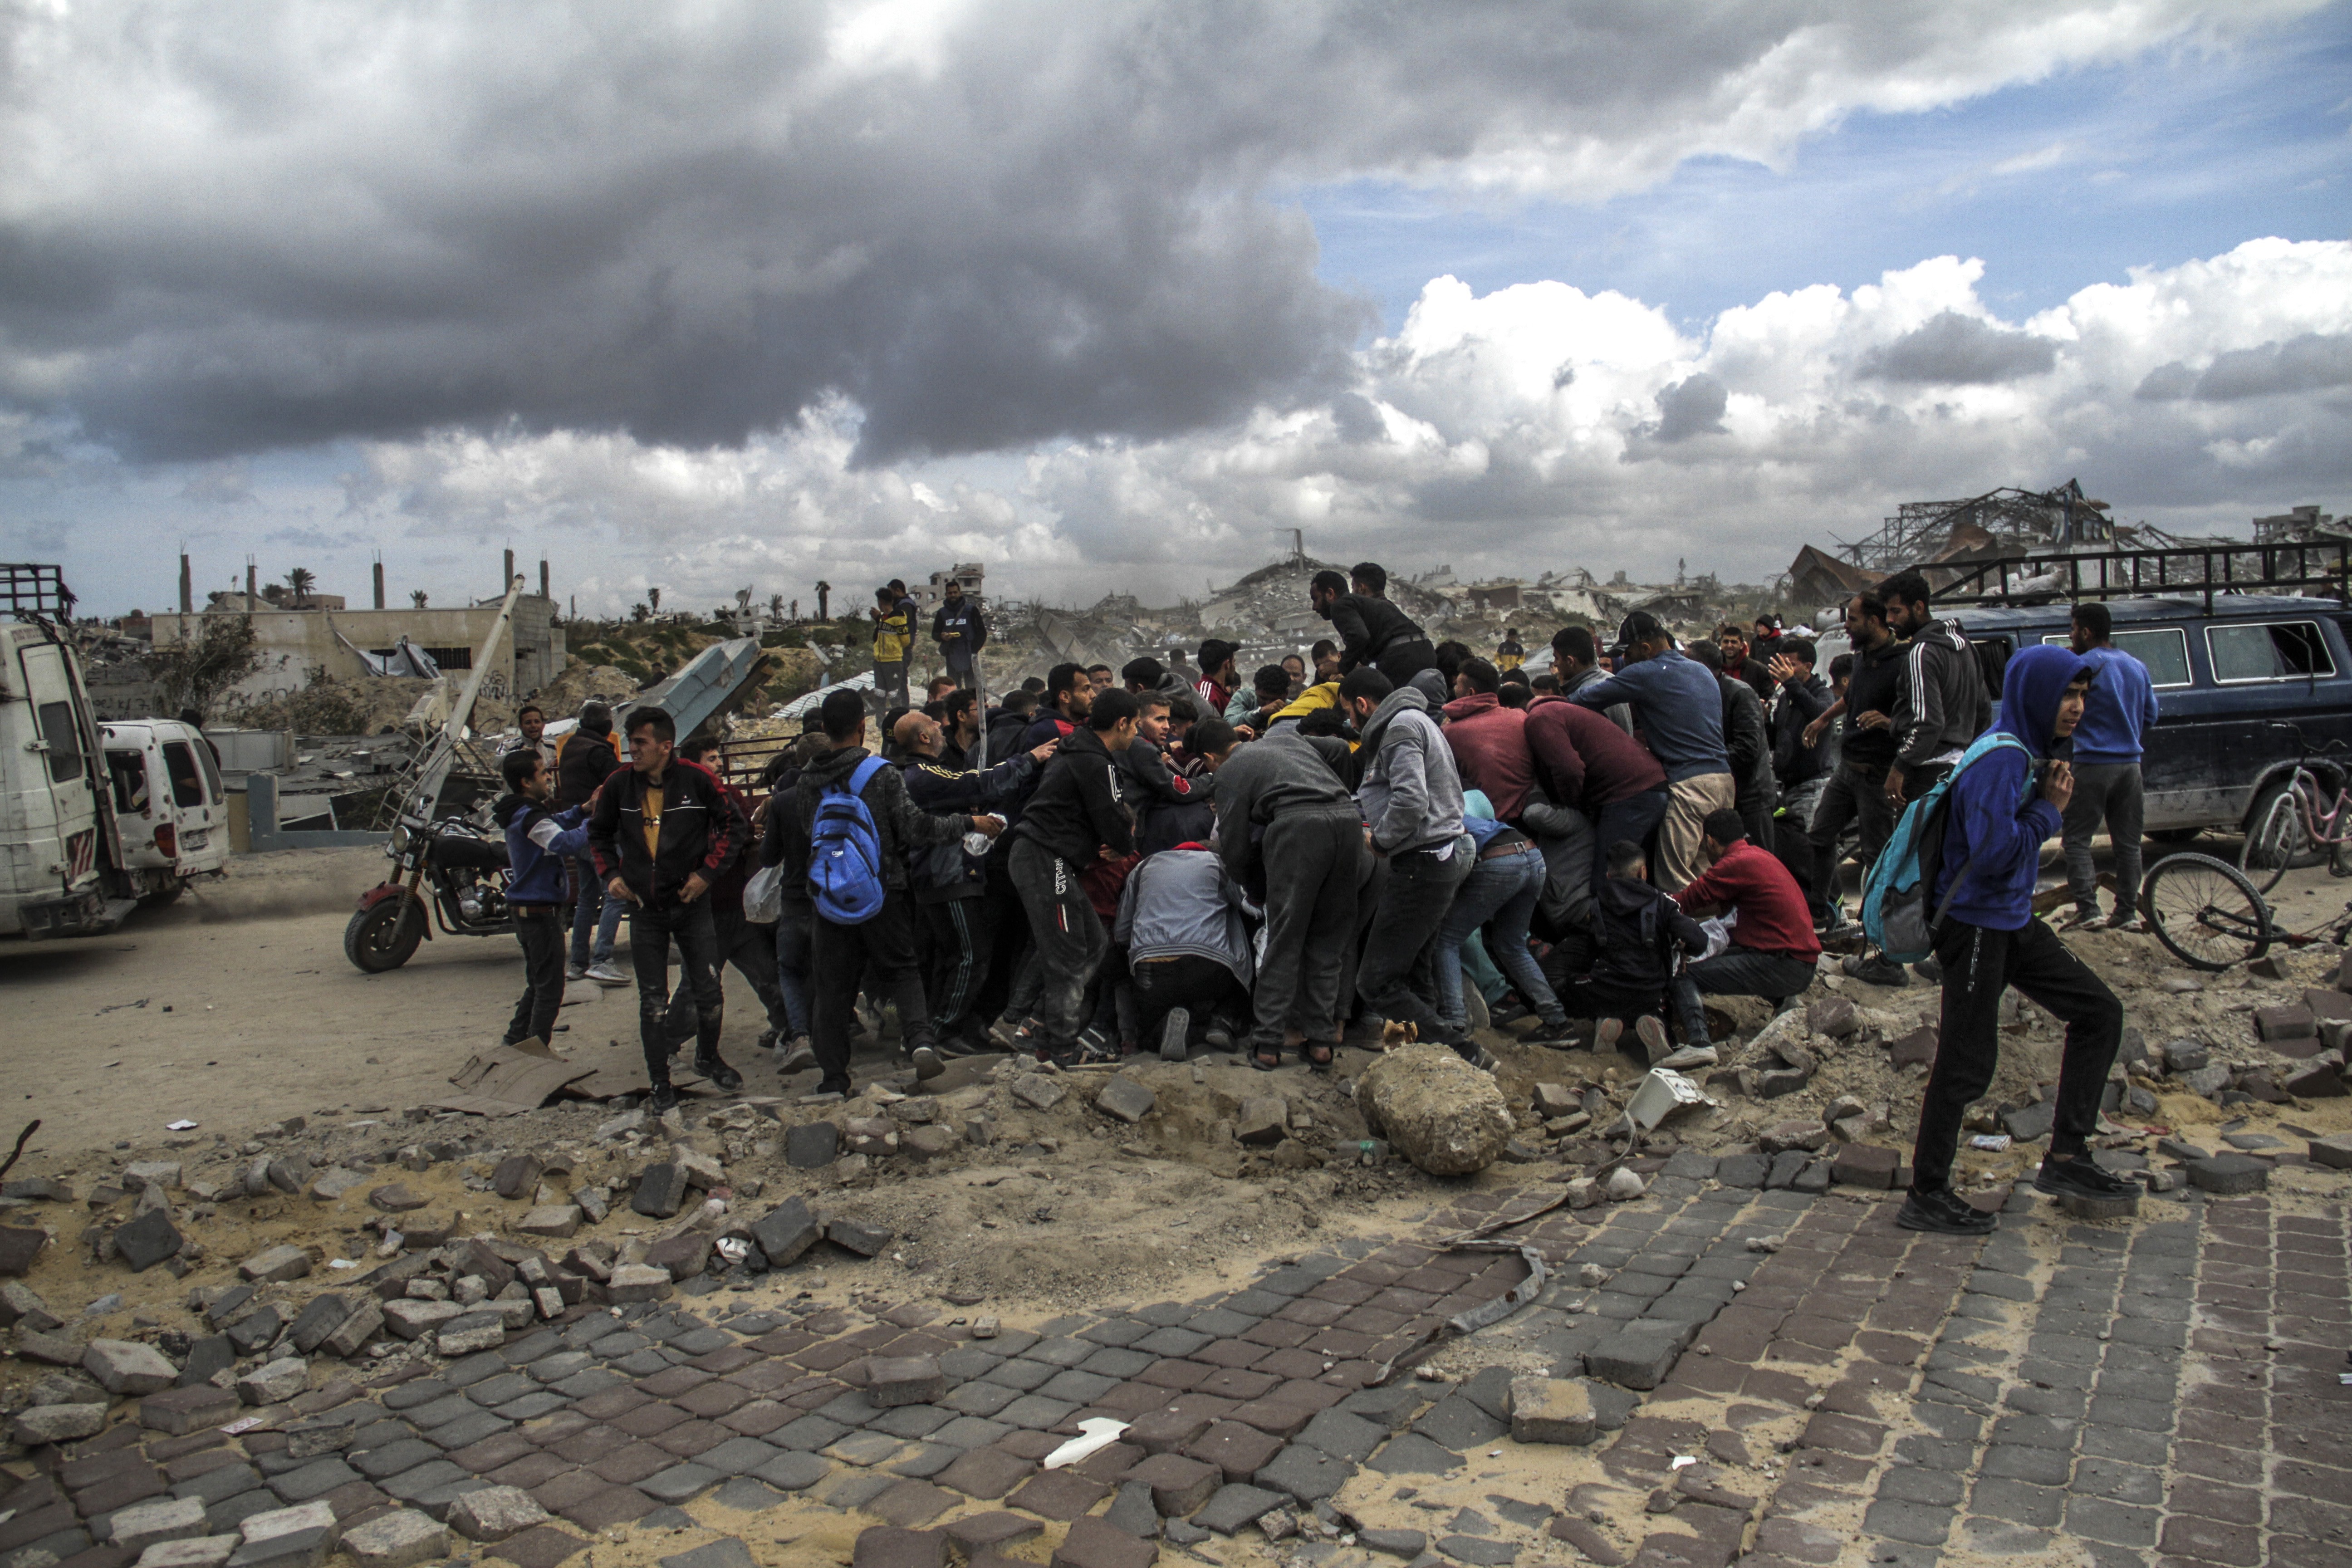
pixel 538 842
pixel 662 832
pixel 1991 939
pixel 1640 929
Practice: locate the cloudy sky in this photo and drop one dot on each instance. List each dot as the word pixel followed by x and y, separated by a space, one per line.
pixel 1107 295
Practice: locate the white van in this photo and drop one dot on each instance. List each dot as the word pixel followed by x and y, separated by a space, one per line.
pixel 60 859
pixel 168 804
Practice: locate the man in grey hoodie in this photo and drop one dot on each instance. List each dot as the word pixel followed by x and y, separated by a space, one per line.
pixel 1280 799
pixel 1411 795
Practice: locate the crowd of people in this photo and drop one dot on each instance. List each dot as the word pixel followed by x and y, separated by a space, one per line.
pixel 1384 839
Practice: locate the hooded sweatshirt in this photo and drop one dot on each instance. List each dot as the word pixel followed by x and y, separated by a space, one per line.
pixel 1079 809
pixel 1998 821
pixel 538 842
pixel 1278 773
pixel 1489 742
pixel 2121 709
pixel 900 825
pixel 1411 793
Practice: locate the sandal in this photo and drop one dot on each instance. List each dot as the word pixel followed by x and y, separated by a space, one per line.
pixel 1265 1058
pixel 1318 1055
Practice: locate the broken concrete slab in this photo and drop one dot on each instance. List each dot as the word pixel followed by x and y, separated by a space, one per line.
pixel 1551 1410
pixel 125 1367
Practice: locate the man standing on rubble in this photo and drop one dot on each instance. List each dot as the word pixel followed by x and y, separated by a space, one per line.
pixel 662 832
pixel 750 949
pixel 1283 810
pixel 2106 756
pixel 2006 803
pixel 584 759
pixel 539 843
pixel 1856 792
pixel 894 636
pixel 1941 704
pixel 960 631
pixel 1373 632
pixel 1678 708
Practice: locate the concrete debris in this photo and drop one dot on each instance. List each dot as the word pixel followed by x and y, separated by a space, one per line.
pixel 1443 1114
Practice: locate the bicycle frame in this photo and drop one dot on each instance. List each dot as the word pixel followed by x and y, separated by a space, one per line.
pixel 2325 829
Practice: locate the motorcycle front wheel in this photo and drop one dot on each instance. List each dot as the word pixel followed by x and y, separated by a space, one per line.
pixel 385 936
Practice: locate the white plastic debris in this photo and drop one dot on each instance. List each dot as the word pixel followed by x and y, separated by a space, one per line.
pixel 1096 1433
pixel 1662 1092
pixel 1990 1142
pixel 1684 1461
pixel 181 1126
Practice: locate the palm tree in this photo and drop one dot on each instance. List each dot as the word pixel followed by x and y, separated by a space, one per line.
pixel 300 582
pixel 653 597
pixel 416 596
pixel 637 612
pixel 775 606
pixel 822 589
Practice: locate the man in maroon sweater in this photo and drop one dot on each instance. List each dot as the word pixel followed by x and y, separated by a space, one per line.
pixel 1489 741
pixel 1583 760
pixel 1773 949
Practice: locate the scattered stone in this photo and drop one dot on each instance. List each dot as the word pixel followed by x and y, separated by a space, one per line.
pixel 276 1266
pixel 1583 1192
pixel 20 1305
pixel 661 1191
pixel 125 1367
pixel 812 1145
pixel 858 1237
pixel 143 1524
pixel 2290 1023
pixel 494 1514
pixel 1623 1186
pixel 1917 1048
pixel 2320 1080
pixel 1395 1542
pixel 147 1240
pixel 195 1551
pixel 2186 1055
pixel 177 1412
pixel 636 1282
pixel 1831 1016
pixel 2029 1123
pixel 558 1220
pixel 2084 1206
pixel 49 1350
pixel 39 1424
pixel 476 1332
pixel 516 1174
pixel 2334 1152
pixel 1557 1100
pixel 275 1383
pixel 363 1323
pixel 2227 1175
pixel 904 1380
pixel 1445 1115
pixel 1123 1097
pixel 1865 1165
pixel 400 1539
pixel 1551 1410
pixel 1037 1091
pixel 409 1319
pixel 786 1231
pixel 1265 1120
pixel 2209 1081
pixel 1801 1133
pixel 395 1197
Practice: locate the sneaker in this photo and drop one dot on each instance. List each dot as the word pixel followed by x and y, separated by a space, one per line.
pixel 1929 969
pixel 767 1040
pixel 1217 1037
pixel 714 1067
pixel 575 972
pixel 2086 916
pixel 796 1055
pixel 663 1100
pixel 1653 1035
pixel 840 1086
pixel 2082 1176
pixel 603 974
pixel 1689 1057
pixel 926 1062
pixel 1606 1036
pixel 954 1048
pixel 2125 918
pixel 1172 1033
pixel 1477 1055
pixel 1943 1213
pixel 1559 1034
pixel 1509 1010
pixel 1876 970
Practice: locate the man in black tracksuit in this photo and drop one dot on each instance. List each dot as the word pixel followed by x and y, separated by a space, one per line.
pixel 1371 630
pixel 661 833
pixel 1941 704
pixel 839 953
pixel 586 759
pixel 1856 792
pixel 961 905
pixel 1075 818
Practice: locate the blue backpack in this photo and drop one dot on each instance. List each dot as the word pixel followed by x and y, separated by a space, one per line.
pixel 1894 913
pixel 845 852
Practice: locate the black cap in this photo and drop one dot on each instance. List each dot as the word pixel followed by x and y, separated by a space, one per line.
pixel 1638 625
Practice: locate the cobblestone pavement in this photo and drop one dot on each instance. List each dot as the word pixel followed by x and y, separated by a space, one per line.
pixel 2163 1391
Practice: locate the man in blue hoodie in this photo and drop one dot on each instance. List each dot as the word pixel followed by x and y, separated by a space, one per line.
pixel 2116 716
pixel 1990 940
pixel 539 844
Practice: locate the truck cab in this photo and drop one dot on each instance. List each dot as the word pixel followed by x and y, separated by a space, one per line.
pixel 169 805
pixel 60 858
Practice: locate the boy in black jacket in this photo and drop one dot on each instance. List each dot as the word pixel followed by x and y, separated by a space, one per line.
pixel 1073 819
pixel 662 832
pixel 1641 927
pixel 839 953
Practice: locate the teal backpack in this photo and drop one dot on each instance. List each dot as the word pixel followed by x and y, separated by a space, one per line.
pixel 1894 914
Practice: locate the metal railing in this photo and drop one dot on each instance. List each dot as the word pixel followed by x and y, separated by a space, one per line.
pixel 2208 570
pixel 26 590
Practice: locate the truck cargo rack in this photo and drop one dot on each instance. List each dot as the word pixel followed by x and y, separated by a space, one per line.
pixel 28 591
pixel 2324 564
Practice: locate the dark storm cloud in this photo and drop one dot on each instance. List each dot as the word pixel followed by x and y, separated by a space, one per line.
pixel 1691 408
pixel 2310 362
pixel 236 228
pixel 1953 350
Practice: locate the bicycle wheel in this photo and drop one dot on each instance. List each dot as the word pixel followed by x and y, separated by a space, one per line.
pixel 2276 838
pixel 2205 911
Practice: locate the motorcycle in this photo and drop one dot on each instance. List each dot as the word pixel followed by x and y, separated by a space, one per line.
pixel 467 870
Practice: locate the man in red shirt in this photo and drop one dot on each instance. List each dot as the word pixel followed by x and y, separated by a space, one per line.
pixel 1583 760
pixel 1773 949
pixel 1488 740
pixel 1218 676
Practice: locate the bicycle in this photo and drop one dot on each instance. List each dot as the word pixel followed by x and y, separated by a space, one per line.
pixel 2205 911
pixel 2293 825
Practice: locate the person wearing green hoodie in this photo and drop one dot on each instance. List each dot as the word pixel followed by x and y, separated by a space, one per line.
pixel 2005 804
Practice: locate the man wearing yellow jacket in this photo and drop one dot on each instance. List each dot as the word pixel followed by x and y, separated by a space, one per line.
pixel 893 635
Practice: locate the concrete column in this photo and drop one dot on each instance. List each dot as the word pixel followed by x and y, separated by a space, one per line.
pixel 379 584
pixel 188 587
pixel 252 586
pixel 543 579
pixel 508 581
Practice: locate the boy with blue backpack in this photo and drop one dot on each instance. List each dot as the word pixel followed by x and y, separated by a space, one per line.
pixel 1983 828
pixel 847 827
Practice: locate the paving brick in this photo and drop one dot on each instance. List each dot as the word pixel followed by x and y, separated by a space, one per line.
pixel 1057 1494
pixel 987 1473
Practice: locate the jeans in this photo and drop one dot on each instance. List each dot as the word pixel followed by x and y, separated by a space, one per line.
pixel 540 929
pixel 1855 794
pixel 597 910
pixel 752 952
pixel 1688 804
pixel 2110 791
pixel 1503 890
pixel 1314 862
pixel 1071 941
pixel 1978 965
pixel 841 957
pixel 1633 820
pixel 1397 974
pixel 651 930
pixel 793 964
pixel 1735 972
